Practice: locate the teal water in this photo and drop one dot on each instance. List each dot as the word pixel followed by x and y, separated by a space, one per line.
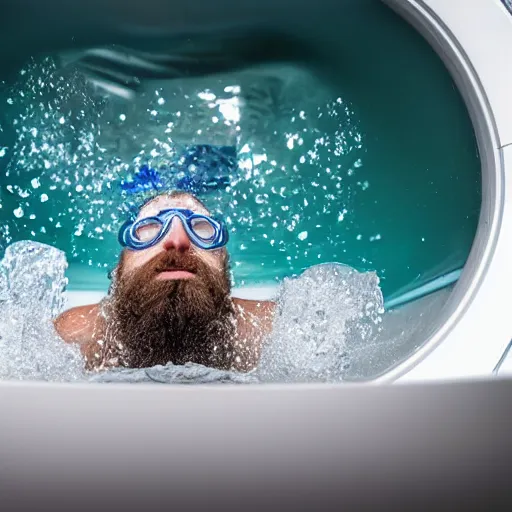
pixel 380 174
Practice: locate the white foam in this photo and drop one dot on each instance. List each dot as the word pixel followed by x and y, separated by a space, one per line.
pixel 323 316
pixel 33 277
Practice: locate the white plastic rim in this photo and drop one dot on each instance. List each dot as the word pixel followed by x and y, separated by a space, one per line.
pixel 474 40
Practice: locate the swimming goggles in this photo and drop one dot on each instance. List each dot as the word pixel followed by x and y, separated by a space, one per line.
pixel 203 231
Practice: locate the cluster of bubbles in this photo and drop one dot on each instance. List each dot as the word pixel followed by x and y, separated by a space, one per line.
pixel 32 282
pixel 65 147
pixel 324 315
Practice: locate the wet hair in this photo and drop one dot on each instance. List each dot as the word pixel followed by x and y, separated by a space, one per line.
pixel 174 194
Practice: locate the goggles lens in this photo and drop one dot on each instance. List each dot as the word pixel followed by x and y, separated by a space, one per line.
pixel 203 229
pixel 148 231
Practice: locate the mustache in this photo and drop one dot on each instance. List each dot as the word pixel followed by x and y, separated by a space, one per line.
pixel 172 260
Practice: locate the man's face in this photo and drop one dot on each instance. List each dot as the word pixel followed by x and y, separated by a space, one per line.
pixel 175 240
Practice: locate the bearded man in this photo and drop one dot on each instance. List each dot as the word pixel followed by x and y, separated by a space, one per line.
pixel 170 300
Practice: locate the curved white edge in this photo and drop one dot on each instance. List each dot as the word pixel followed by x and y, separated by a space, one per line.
pixel 475 345
pixel 483 28
pixel 230 448
pixel 475 326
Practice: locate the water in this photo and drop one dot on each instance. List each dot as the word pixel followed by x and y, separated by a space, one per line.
pixel 31 292
pixel 189 373
pixel 320 316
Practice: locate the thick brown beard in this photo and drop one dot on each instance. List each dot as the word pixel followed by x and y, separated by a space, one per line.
pixel 152 322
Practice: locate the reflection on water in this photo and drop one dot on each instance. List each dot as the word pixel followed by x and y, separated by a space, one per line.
pixel 321 317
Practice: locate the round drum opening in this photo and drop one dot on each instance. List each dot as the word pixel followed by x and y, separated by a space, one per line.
pixel 376 169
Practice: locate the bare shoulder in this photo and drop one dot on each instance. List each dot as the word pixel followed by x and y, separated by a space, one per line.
pixel 255 320
pixel 79 324
pixel 259 308
pixel 256 315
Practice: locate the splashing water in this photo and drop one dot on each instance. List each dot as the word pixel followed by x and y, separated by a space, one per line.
pixel 32 286
pixel 310 340
pixel 321 314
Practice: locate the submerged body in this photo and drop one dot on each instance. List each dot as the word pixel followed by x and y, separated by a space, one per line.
pixel 170 300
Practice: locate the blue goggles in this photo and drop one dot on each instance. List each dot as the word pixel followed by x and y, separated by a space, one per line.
pixel 203 231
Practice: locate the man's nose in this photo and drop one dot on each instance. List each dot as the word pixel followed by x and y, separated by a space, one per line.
pixel 176 238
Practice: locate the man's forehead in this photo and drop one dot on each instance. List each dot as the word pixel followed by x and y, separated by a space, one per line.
pixel 164 201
